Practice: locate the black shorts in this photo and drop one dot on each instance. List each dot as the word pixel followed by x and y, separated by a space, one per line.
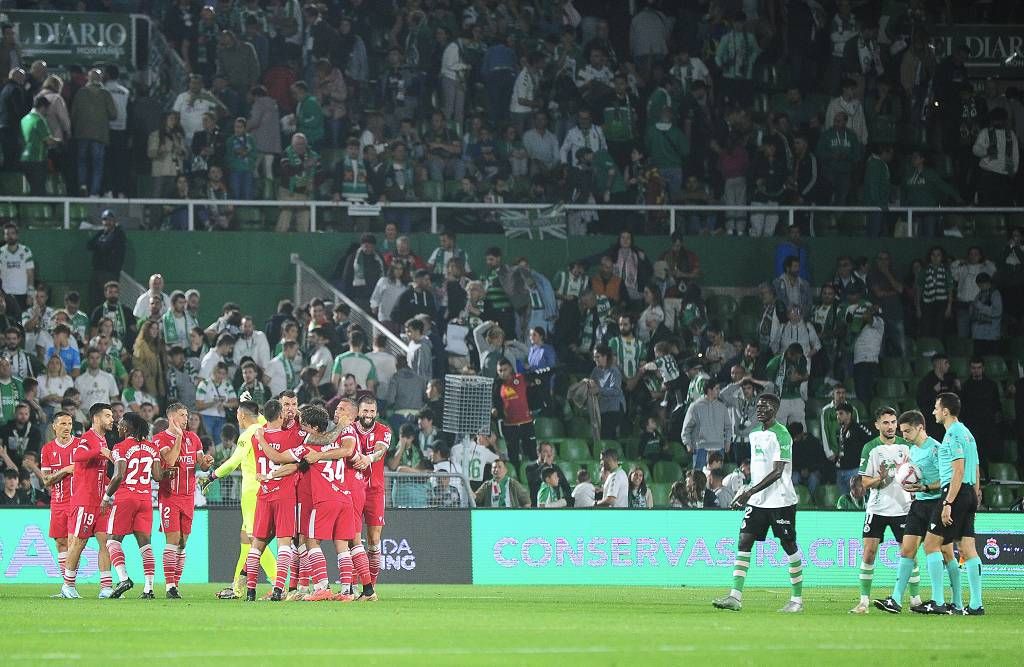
pixel 920 516
pixel 965 506
pixel 782 520
pixel 875 525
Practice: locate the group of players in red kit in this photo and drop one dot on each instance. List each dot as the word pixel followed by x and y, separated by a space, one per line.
pixel 319 485
pixel 316 484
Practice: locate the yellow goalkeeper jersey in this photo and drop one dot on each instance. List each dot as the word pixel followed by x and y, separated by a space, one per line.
pixel 243 456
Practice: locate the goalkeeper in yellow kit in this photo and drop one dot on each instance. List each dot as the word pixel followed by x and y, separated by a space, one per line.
pixel 249 419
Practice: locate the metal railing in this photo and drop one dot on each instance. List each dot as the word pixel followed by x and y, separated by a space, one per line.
pixel 787 215
pixel 131 290
pixel 309 285
pixel 426 489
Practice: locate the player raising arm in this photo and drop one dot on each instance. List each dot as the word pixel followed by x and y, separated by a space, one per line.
pixel 128 498
pixel 57 468
pixel 771 501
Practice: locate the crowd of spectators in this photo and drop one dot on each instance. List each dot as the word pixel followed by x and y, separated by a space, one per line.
pixel 691 102
pixel 630 343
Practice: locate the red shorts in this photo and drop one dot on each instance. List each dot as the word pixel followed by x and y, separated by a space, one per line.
pixel 275 517
pixel 305 509
pixel 132 514
pixel 84 521
pixel 332 520
pixel 176 514
pixel 59 521
pixel 358 490
pixel 373 508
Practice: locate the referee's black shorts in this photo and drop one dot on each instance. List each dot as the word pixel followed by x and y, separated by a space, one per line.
pixel 920 516
pixel 963 509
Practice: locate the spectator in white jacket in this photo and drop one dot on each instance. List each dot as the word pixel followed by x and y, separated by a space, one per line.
pixel 386 292
pixel 796 330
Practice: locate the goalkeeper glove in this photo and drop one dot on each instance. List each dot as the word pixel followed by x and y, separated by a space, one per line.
pixel 204 484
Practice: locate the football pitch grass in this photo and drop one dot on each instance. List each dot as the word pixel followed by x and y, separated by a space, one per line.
pixel 478 625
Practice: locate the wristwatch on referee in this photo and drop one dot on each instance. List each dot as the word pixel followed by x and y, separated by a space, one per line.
pixel 946 502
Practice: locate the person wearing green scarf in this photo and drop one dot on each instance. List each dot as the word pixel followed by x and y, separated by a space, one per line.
pixel 502 490
pixel 177 321
pixel 298 179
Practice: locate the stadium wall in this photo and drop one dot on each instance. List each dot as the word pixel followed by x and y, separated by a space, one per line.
pixel 253 268
pixel 526 547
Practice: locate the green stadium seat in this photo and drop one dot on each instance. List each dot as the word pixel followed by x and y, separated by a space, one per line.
pixel 601 445
pixel 630 447
pixel 960 367
pixel 249 217
pixel 1006 471
pixel 858 405
pixel 722 308
pixel 8 211
pixel 578 427
pixel 145 186
pixel 451 187
pixel 522 472
pixel 746 325
pixel 922 367
pixel 40 216
pixel 959 347
pixel 750 305
pixel 660 493
pixel 575 449
pixel 996 369
pixel 997 497
pixel 1017 347
pixel 890 388
pixel 548 427
pixel 679 454
pixel 929 347
pixel 897 368
pixel 13 184
pixel 814 427
pixel 55 186
pixel 667 471
pixel 628 466
pixel 805 501
pixel 1009 408
pixel 433 191
pixel 827 495
pixel 1010 450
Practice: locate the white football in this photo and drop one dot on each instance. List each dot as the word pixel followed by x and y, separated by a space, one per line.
pixel 907 473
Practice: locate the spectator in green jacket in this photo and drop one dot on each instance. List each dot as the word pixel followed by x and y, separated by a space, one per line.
pixel 923 187
pixel 668 149
pixel 839 151
pixel 35 132
pixel 309 117
pixel 878 189
pixel 241 158
pixel 92 109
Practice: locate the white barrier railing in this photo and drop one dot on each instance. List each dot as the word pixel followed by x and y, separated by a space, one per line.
pixel 317 207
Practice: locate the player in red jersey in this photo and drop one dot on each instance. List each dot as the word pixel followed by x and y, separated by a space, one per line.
pixel 128 498
pixel 370 440
pixel 57 468
pixel 299 572
pixel 181 453
pixel 87 481
pixel 333 515
pixel 274 449
pixel 343 416
pixel 375 451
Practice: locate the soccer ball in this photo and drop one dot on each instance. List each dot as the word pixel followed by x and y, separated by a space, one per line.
pixel 907 473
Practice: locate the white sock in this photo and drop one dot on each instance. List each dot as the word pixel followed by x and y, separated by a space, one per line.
pixel 916 600
pixel 149 583
pixel 736 594
pixel 122 572
pixel 796 598
pixel 168 587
